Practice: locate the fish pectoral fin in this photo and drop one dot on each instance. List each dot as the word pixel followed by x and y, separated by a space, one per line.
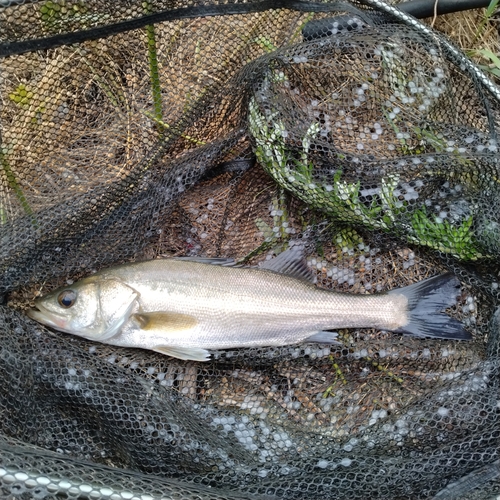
pixel 323 337
pixel 164 321
pixel 171 322
pixel 188 353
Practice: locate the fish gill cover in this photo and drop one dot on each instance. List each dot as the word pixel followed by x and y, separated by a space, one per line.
pixel 142 129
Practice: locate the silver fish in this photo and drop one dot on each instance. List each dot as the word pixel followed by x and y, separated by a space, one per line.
pixel 184 308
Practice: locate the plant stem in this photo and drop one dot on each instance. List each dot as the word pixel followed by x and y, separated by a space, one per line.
pixel 14 185
pixel 153 73
pixel 164 125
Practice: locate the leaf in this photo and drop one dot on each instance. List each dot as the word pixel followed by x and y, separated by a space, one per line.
pixel 444 236
pixel 265 228
pixel 490 10
pixel 488 54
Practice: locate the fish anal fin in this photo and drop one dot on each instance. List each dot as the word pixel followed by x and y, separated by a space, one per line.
pixel 164 321
pixel 187 353
pixel 323 337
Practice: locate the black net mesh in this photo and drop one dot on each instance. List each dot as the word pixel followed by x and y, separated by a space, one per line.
pixel 140 130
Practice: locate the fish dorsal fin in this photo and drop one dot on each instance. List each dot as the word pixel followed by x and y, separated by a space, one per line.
pixel 164 321
pixel 292 263
pixel 215 261
pixel 188 353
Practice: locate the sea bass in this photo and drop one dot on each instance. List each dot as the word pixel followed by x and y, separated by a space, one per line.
pixel 184 308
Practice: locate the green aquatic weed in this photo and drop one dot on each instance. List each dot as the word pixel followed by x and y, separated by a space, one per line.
pixel 444 236
pixel 348 239
pixel 21 95
pixel 343 201
pixel 264 43
pixel 62 14
pixel 340 198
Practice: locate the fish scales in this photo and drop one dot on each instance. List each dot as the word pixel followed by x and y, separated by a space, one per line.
pixel 244 307
pixel 184 308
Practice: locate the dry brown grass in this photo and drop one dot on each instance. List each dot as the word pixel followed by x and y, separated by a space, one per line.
pixel 87 117
pixel 470 31
pixel 106 131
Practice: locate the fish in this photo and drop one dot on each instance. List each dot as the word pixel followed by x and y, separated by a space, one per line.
pixel 187 307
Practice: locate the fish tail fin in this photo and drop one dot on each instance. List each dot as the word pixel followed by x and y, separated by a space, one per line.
pixel 426 301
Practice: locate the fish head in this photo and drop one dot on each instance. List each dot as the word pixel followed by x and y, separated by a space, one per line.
pixel 92 308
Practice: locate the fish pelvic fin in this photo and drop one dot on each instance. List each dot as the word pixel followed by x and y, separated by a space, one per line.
pixel 187 353
pixel 426 301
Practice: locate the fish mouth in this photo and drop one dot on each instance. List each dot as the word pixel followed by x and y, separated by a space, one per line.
pixel 47 318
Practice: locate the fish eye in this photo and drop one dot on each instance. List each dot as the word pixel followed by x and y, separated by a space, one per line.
pixel 67 298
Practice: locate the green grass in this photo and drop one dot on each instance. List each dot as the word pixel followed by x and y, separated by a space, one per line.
pixel 153 72
pixel 16 188
pixel 491 60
